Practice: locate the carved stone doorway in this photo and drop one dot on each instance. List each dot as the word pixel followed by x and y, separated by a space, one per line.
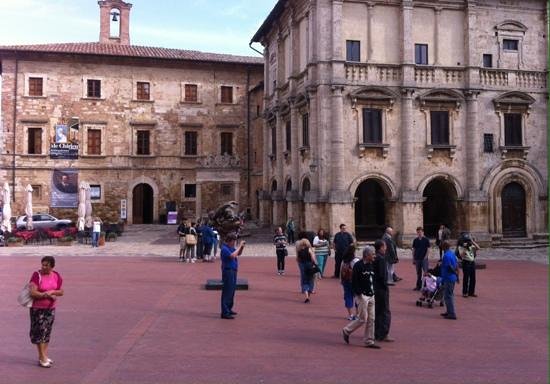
pixel 142 204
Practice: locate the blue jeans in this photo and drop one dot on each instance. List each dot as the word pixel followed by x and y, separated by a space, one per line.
pixel 307 283
pixel 348 294
pixel 95 239
pixel 321 262
pixel 229 279
pixel 448 293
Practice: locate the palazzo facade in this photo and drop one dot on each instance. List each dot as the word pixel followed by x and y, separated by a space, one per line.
pixel 406 113
pixel 151 129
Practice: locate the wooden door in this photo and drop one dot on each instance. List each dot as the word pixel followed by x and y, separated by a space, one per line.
pixel 513 211
pixel 137 204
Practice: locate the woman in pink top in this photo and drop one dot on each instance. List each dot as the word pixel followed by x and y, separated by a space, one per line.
pixel 45 287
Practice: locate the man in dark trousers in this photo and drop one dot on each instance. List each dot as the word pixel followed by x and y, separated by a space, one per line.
pixel 382 319
pixel 341 242
pixel 391 255
pixel 230 265
pixel 362 284
pixel 420 253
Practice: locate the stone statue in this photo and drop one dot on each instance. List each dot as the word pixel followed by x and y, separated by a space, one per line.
pixel 226 219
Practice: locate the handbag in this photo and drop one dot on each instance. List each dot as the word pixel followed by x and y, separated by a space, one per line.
pixel 311 269
pixel 190 239
pixel 24 298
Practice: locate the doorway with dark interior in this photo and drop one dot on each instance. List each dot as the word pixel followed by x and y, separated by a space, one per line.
pixel 439 207
pixel 142 204
pixel 370 210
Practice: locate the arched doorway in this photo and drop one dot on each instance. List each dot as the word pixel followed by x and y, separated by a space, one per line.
pixel 142 204
pixel 370 210
pixel 513 210
pixel 440 201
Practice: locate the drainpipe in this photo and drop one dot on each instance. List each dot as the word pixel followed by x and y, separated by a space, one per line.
pixel 248 168
pixel 14 124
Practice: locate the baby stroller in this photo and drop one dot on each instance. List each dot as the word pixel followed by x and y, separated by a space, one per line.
pixel 431 290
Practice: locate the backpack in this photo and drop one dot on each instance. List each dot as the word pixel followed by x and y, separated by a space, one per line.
pixel 346 272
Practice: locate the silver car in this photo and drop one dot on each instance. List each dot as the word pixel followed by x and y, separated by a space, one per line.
pixel 43 221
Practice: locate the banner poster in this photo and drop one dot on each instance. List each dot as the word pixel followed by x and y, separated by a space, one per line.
pixel 65 141
pixel 64 188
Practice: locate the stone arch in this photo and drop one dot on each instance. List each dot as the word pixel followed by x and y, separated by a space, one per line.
pixel 374 205
pixel 440 193
pixel 511 25
pixel 385 182
pixel 441 95
pixel 530 179
pixel 130 196
pixel 441 175
pixel 273 185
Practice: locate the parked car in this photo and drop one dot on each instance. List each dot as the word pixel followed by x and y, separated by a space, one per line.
pixel 43 221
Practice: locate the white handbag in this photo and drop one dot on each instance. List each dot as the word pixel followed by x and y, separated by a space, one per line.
pixel 24 298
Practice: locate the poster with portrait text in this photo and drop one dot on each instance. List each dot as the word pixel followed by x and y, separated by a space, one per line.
pixel 64 188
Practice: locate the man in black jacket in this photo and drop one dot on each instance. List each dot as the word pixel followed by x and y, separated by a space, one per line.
pixel 391 255
pixel 362 284
pixel 381 294
pixel 341 242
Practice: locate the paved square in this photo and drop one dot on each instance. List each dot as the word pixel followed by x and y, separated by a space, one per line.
pixel 149 320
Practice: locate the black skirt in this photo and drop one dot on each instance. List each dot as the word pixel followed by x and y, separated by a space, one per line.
pixel 41 325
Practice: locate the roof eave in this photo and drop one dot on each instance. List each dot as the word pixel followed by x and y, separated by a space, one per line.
pixel 266 25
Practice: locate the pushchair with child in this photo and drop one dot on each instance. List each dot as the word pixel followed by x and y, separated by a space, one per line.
pixel 431 290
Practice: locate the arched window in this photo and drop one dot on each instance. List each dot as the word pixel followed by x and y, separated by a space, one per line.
pixel 114 23
pixel 274 186
pixel 306 186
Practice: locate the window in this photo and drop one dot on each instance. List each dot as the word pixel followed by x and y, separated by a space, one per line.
pixel 487 61
pixel 190 143
pixel 93 88
pixel 288 137
pixel 372 126
pixel 257 111
pixel 226 94
pixel 226 143
pixel 439 127
pixel 421 54
pixel 143 90
pixel 510 45
pixel 353 50
pixel 488 143
pixel 95 192
pixel 36 86
pixel 512 129
pixel 36 192
pixel 143 143
pixel 34 141
pixel 94 141
pixel 226 190
pixel 190 191
pixel 191 93
pixel 305 130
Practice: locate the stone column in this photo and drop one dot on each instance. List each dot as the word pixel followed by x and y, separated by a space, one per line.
pixel 407 140
pixel 411 200
pixel 437 28
pixel 337 139
pixel 476 202
pixel 370 15
pixel 470 45
pixel 293 196
pixel 407 48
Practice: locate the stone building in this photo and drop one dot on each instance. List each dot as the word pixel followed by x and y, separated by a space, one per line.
pixel 145 126
pixel 406 113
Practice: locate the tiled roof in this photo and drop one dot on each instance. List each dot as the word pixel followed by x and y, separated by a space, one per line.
pixel 132 51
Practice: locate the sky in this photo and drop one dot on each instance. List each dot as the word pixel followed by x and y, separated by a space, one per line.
pixel 219 26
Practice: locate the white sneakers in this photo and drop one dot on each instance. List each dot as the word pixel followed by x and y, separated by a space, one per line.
pixel 45 364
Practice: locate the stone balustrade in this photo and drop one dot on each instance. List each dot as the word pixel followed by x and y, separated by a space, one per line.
pixel 391 75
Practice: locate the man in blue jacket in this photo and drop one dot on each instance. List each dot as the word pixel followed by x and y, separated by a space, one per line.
pixel 449 277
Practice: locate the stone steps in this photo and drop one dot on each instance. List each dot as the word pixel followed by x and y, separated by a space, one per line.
pixel 520 243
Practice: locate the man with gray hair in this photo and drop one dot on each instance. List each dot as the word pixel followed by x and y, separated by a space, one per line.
pixel 363 289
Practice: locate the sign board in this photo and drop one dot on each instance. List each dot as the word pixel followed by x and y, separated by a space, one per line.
pixel 64 188
pixel 123 214
pixel 172 217
pixel 65 140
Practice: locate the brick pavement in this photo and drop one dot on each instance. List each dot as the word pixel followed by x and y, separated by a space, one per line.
pixel 148 320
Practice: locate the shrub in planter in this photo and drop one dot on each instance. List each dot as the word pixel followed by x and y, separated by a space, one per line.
pixel 65 240
pixel 111 236
pixel 14 241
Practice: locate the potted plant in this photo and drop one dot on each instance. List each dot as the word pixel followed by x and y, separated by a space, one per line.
pixel 14 241
pixel 101 241
pixel 111 236
pixel 65 241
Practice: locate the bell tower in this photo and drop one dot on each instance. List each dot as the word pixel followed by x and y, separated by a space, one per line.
pixel 114 22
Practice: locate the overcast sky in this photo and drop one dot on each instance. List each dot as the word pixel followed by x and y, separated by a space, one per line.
pixel 223 26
